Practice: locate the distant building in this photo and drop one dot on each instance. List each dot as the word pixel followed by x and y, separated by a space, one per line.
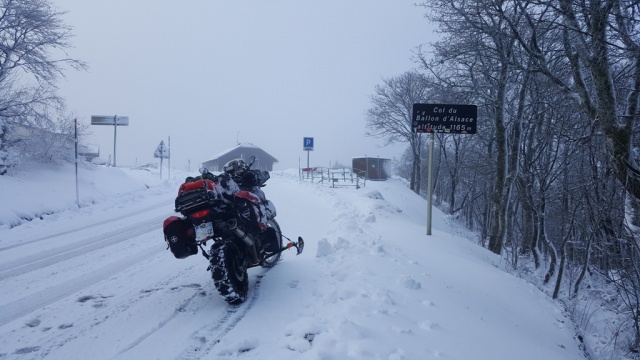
pixel 371 168
pixel 264 161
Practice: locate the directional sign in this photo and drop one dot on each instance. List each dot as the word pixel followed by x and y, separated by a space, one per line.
pixel 445 118
pixel 307 144
pixel 114 120
pixel 109 120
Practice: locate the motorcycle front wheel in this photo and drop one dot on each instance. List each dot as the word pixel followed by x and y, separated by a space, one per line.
pixel 273 260
pixel 229 272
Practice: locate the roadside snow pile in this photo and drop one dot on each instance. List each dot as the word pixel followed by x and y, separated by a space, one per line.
pixel 25 197
pixel 372 285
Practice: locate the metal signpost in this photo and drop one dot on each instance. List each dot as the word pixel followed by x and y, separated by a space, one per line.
pixel 446 119
pixel 307 145
pixel 75 140
pixel 114 120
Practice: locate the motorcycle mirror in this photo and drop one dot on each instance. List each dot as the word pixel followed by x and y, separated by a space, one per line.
pixel 203 171
pixel 252 159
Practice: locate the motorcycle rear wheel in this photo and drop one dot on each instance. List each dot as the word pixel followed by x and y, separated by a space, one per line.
pixel 229 272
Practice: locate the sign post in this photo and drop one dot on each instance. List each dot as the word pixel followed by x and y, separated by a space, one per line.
pixel 75 141
pixel 307 145
pixel 446 119
pixel 429 190
pixel 114 120
pixel 162 152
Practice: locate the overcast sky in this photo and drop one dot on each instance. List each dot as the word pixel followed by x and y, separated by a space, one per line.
pixel 210 74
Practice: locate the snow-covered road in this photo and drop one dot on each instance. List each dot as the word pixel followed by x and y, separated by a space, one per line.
pixel 98 283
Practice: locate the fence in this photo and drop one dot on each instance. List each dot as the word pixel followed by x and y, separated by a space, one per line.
pixel 343 177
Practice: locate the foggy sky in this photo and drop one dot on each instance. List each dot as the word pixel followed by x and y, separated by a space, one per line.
pixel 209 74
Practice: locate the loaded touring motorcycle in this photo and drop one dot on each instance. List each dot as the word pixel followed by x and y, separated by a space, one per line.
pixel 231 211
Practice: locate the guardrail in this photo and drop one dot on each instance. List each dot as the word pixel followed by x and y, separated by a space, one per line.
pixel 343 177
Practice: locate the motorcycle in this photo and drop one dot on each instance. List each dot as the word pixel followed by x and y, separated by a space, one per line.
pixel 231 211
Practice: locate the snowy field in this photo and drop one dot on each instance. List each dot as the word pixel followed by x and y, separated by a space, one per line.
pixel 97 282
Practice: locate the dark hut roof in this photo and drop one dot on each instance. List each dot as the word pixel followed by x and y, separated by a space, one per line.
pixel 264 161
pixel 245 151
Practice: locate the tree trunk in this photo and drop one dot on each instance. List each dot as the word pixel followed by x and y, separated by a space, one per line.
pixel 563 247
pixel 556 290
pixel 545 240
pixel 585 266
pixel 416 174
pixel 498 202
pixel 618 132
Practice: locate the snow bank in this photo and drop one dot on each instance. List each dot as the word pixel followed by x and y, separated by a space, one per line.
pixel 31 192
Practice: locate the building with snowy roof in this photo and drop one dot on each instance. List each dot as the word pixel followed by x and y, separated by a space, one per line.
pixel 264 161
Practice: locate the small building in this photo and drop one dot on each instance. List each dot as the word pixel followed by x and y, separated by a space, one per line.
pixel 371 168
pixel 264 161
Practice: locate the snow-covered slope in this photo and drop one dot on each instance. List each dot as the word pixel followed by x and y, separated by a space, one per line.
pixel 97 282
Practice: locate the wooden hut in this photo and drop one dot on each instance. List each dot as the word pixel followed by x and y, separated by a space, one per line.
pixel 371 168
pixel 264 161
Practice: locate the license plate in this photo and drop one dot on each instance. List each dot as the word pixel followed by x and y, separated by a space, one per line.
pixel 204 231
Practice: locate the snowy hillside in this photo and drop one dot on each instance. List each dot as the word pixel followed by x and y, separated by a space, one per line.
pixel 98 283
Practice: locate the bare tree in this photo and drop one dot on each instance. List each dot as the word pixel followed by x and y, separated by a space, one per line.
pixel 477 54
pixel 559 81
pixel 599 42
pixel 390 114
pixel 33 41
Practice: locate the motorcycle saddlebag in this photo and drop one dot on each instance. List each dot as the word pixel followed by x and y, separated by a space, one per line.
pixel 175 234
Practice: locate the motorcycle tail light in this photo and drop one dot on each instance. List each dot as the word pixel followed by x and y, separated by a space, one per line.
pixel 200 214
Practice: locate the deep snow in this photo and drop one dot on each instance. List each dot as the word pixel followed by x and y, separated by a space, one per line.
pixel 97 281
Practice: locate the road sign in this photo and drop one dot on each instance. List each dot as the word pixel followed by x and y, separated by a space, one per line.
pixel 307 144
pixel 445 118
pixel 114 120
pixel 442 118
pixel 162 151
pixel 109 120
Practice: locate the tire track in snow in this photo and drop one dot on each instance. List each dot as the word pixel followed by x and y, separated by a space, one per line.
pixel 209 336
pixel 42 298
pixel 37 261
pixel 83 227
pixel 179 309
pixel 121 308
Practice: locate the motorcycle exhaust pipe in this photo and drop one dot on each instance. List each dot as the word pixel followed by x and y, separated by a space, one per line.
pixel 249 241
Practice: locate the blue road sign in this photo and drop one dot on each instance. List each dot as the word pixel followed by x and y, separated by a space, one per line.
pixel 307 144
